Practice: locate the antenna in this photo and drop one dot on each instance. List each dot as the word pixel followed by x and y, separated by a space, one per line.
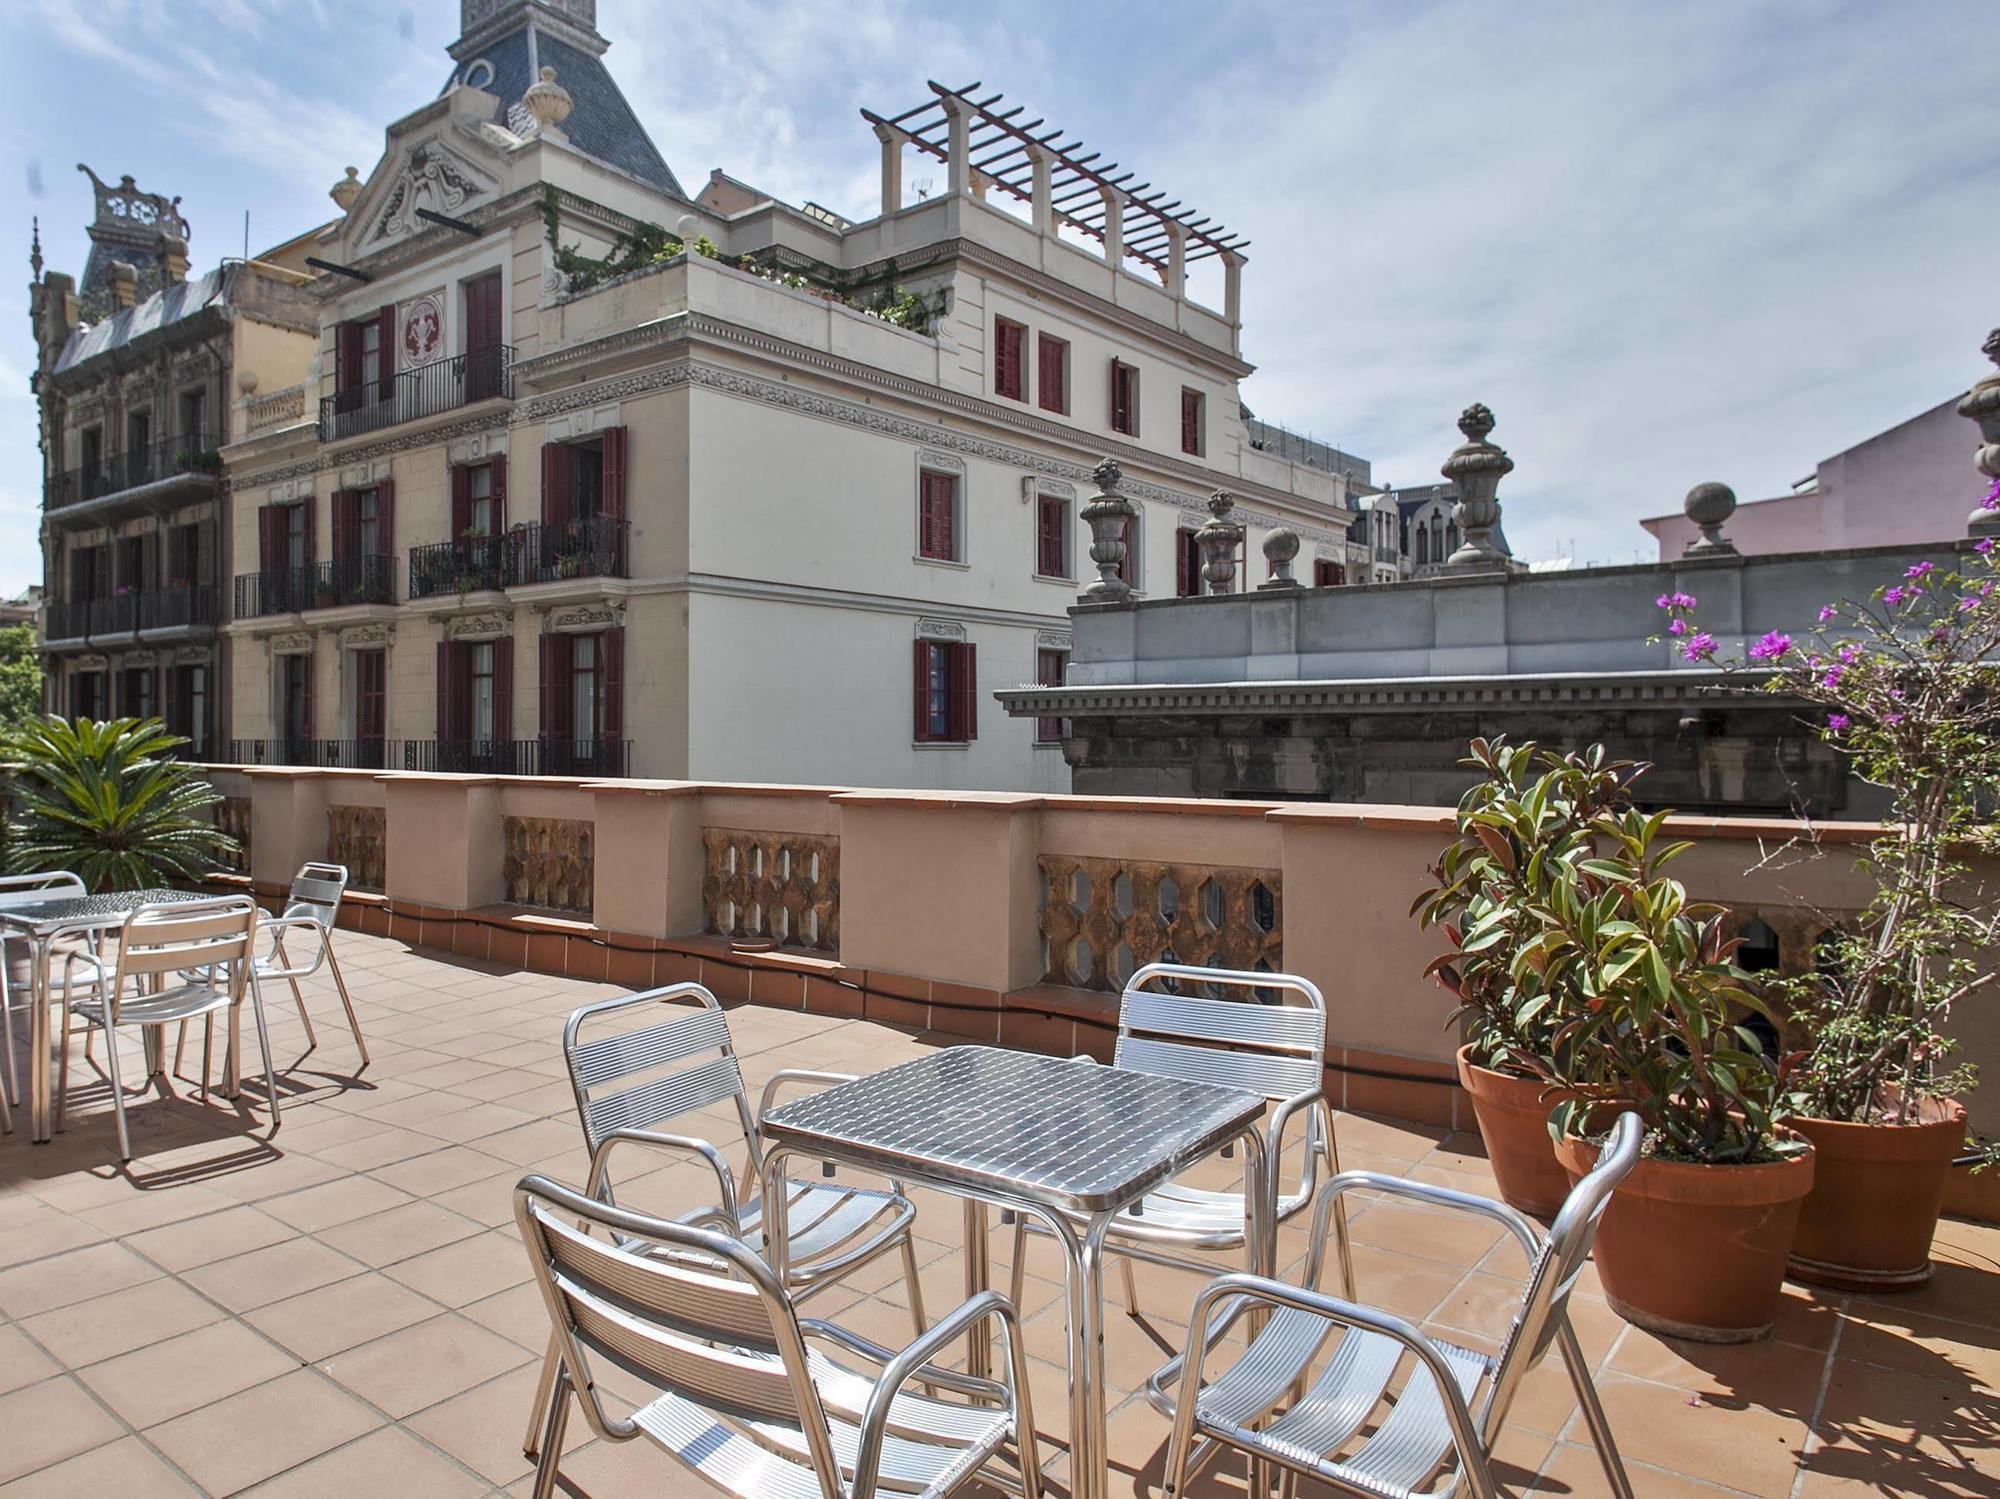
pixel 246 234
pixel 922 187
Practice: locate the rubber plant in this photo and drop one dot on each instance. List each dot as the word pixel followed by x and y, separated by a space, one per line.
pixel 109 801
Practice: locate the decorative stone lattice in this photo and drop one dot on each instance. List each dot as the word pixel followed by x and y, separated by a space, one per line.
pixel 550 862
pixel 232 816
pixel 359 838
pixel 1103 918
pixel 781 887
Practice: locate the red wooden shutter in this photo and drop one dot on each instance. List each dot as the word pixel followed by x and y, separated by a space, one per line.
pixel 498 468
pixel 503 689
pixel 346 357
pixel 1191 421
pixel 1049 536
pixel 386 384
pixel 921 700
pixel 461 501
pixel 964 676
pixel 1049 373
pixel 555 484
pixel 614 473
pixel 306 519
pixel 443 730
pixel 345 508
pixel 1116 424
pixel 555 687
pixel 385 538
pixel 482 312
pixel 1007 359
pixel 1183 571
pixel 307 716
pixel 270 538
pixel 611 681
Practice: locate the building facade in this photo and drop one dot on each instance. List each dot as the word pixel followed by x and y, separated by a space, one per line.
pixel 595 477
pixel 136 370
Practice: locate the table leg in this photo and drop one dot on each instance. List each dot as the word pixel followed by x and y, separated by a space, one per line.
pixel 978 1277
pixel 1089 1460
pixel 39 1111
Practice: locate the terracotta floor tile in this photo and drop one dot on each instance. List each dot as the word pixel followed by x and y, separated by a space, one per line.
pixel 339 1316
pixel 170 1377
pixel 444 1168
pixel 421 1365
pixel 69 1277
pixel 482 1428
pixel 384 1462
pixel 1750 1448
pixel 271 1274
pixel 48 1422
pixel 21 1362
pixel 126 1468
pixel 469 1270
pixel 1574 1472
pixel 105 1326
pixel 263 1431
pixel 1902 1433
pixel 213 1236
pixel 402 1232
pixel 521 1315
pixel 317 1209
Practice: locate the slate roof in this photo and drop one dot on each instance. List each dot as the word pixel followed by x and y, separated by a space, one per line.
pixel 601 125
pixel 181 300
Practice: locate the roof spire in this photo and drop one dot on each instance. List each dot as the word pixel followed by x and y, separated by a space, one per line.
pixel 35 249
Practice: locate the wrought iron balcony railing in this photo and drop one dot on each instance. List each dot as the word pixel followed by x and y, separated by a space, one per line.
pixel 180 606
pixel 192 455
pixel 66 621
pixel 520 757
pixel 324 585
pixel 461 566
pixel 442 385
pixel 586 547
pixel 116 614
pixel 316 754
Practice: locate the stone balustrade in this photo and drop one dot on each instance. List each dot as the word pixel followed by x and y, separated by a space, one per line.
pixel 1000 917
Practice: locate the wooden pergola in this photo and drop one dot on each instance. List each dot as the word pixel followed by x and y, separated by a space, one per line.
pixel 985 145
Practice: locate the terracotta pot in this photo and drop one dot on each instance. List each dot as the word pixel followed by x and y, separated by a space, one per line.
pixel 1696 1252
pixel 1877 1193
pixel 1513 1115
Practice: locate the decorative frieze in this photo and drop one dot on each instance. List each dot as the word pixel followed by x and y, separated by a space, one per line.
pixel 1104 918
pixel 549 862
pixel 488 624
pixel 359 838
pixel 367 637
pixel 295 643
pixel 940 629
pixel 779 887
pixel 583 619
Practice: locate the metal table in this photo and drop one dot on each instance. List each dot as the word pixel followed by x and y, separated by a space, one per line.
pixel 1036 1135
pixel 41 922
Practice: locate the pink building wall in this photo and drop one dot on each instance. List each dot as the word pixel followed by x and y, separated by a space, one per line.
pixel 1912 483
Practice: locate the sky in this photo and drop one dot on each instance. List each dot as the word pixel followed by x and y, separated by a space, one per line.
pixel 1664 243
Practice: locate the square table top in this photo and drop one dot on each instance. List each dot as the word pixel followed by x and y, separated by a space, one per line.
pixel 37 917
pixel 1071 1134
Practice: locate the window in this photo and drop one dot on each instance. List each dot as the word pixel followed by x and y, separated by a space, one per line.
pixel 295 698
pixel 946 701
pixel 583 703
pixel 482 691
pixel 364 360
pixel 1052 536
pixel 1052 374
pixel 86 695
pixel 1124 398
pixel 1328 574
pixel 586 481
pixel 194 418
pixel 1010 351
pixel 475 714
pixel 187 707
pixel 298 548
pixel 370 368
pixel 1187 564
pixel 1191 423
pixel 586 681
pixel 479 517
pixel 370 705
pixel 138 433
pixel 131 564
pixel 937 516
pixel 184 556
pixel 1049 665
pixel 1423 545
pixel 135 692
pixel 92 442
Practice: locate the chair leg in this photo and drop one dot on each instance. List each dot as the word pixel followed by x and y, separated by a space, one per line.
pixel 552 1438
pixel 340 985
pixel 117 1096
pixel 207 1052
pixel 1593 1412
pixel 264 1045
pixel 299 999
pixel 180 1046
pixel 910 1279
pixel 1018 1272
pixel 13 1089
pixel 544 1387
pixel 62 1066
pixel 1340 1238
pixel 1131 1284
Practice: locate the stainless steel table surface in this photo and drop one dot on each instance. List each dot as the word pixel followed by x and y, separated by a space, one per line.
pixel 1035 1134
pixel 41 922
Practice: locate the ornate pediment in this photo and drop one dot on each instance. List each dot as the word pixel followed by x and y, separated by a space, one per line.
pixel 432 176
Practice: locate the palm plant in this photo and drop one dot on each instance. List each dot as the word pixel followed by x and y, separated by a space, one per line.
pixel 108 802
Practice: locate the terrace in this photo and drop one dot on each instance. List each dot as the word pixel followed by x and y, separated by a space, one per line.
pixel 344 1305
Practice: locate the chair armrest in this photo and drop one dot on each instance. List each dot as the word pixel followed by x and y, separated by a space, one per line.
pixel 906 1366
pixel 791 1075
pixel 275 928
pixel 1525 1233
pixel 876 1354
pixel 729 1215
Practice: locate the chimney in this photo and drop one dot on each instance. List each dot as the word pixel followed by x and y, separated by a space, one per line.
pixel 123 278
pixel 173 258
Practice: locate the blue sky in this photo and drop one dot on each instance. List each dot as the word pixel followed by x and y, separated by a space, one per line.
pixel 1666 243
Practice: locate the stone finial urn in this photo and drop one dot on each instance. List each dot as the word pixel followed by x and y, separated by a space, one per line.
pixel 1280 547
pixel 548 101
pixel 1477 467
pixel 1218 539
pixel 347 190
pixel 1709 505
pixel 1982 405
pixel 1109 515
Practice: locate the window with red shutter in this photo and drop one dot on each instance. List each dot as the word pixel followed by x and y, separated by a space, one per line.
pixel 1049 666
pixel 1124 399
pixel 945 692
pixel 964 667
pixel 1328 574
pixel 1191 433
pixel 1052 373
pixel 937 516
pixel 1052 536
pixel 1187 565
pixel 1009 348
pixel 1128 565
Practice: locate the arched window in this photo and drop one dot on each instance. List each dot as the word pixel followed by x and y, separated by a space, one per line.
pixel 1423 546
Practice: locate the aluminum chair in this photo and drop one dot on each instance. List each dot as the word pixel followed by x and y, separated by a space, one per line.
pixel 1276 1049
pixel 700 1318
pixel 1348 1427
pixel 174 962
pixel 631 1082
pixel 21 890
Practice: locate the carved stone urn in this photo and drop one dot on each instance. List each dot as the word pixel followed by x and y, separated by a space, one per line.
pixel 345 191
pixel 1982 405
pixel 1477 467
pixel 548 101
pixel 1709 505
pixel 1280 547
pixel 1218 540
pixel 1109 515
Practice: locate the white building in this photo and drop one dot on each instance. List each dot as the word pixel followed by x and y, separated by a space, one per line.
pixel 788 504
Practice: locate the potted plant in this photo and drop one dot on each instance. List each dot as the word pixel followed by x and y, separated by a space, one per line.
pixel 1904 685
pixel 1694 1243
pixel 1532 808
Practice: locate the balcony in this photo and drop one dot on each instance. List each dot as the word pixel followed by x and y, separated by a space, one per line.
pixel 429 390
pixel 336 584
pixel 315 754
pixel 117 614
pixel 586 547
pixel 182 606
pixel 65 622
pixel 191 459
pixel 520 757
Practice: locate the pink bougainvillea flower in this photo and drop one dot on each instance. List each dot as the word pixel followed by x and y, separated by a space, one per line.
pixel 1920 570
pixel 1849 653
pixel 1992 500
pixel 1827 612
pixel 1678 627
pixel 1893 596
pixel 1700 647
pixel 1831 678
pixel 1892 718
pixel 1771 648
pixel 1837 722
pixel 1983 545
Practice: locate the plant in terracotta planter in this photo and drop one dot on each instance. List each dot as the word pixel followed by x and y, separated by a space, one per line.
pixel 1532 812
pixel 1694 1243
pixel 1907 687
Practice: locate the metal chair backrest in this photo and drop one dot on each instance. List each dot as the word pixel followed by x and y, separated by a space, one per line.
pixel 316 892
pixel 1278 1050
pixel 26 889
pixel 1556 1268
pixel 641 1078
pixel 705 1319
pixel 177 936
